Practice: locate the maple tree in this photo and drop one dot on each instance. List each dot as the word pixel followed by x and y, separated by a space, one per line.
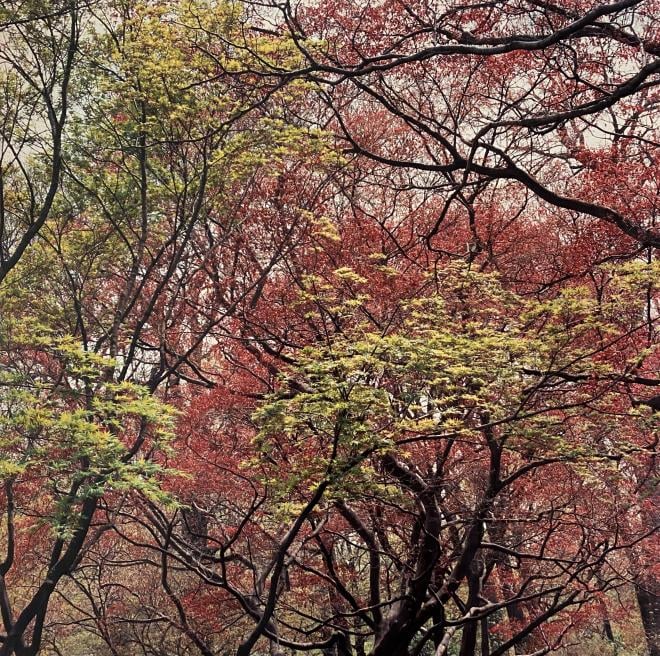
pixel 329 329
pixel 118 254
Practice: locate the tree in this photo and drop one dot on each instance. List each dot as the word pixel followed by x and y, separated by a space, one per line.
pixel 330 330
pixel 372 430
pixel 135 215
pixel 68 436
pixel 449 413
pixel 529 92
pixel 40 48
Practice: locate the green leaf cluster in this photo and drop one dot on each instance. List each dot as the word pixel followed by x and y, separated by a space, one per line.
pixel 469 356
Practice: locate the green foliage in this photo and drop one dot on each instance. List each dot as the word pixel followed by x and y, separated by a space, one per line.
pixel 469 357
pixel 66 423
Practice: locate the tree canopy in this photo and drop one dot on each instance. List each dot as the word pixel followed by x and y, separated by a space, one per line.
pixel 329 328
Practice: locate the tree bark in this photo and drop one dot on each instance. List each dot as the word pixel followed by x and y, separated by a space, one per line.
pixel 649 608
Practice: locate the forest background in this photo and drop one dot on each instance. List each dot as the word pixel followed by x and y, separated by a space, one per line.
pixel 329 328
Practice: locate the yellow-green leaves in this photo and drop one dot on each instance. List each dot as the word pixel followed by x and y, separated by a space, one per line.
pixel 473 359
pixel 66 424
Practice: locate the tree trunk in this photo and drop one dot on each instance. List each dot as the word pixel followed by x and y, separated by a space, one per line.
pixel 649 608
